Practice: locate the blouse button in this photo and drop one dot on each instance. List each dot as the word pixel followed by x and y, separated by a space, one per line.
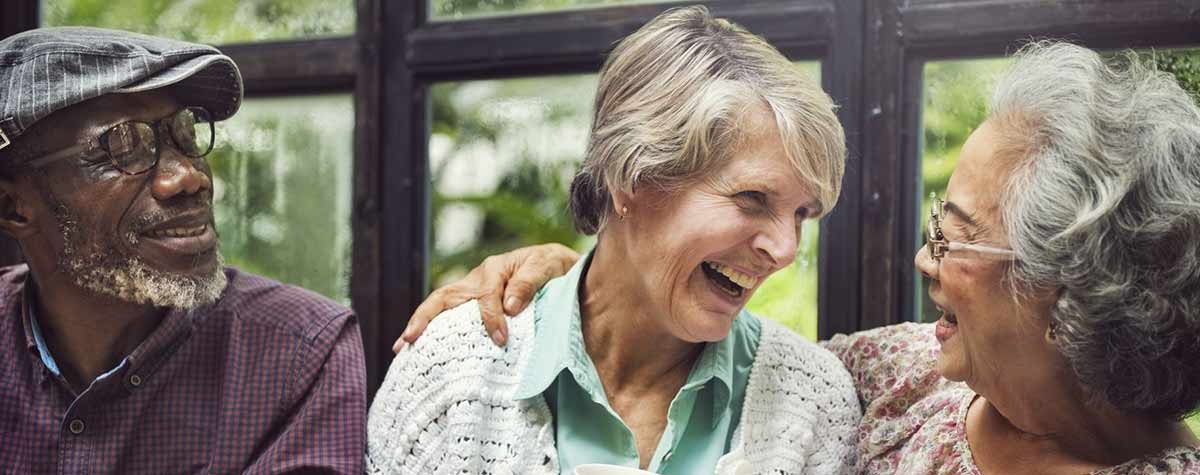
pixel 135 380
pixel 76 427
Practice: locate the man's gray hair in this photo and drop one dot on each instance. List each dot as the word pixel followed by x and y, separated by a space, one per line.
pixel 669 108
pixel 1104 206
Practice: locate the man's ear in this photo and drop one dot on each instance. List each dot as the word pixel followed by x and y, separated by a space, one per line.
pixel 16 210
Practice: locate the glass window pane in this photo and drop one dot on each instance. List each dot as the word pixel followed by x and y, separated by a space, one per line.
pixel 282 181
pixel 458 9
pixel 503 153
pixel 955 102
pixel 209 21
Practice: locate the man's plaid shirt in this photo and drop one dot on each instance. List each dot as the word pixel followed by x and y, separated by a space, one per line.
pixel 269 379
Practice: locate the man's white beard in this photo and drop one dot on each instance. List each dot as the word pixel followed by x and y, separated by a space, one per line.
pixel 114 273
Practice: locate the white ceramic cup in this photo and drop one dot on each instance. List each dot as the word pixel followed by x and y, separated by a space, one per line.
pixel 606 469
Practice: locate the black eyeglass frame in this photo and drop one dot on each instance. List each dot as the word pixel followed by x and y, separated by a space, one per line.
pixel 100 143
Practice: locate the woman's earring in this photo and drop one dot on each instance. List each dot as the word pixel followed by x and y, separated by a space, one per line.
pixel 624 211
pixel 1052 331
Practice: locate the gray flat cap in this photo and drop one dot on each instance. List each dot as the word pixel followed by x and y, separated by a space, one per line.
pixel 49 69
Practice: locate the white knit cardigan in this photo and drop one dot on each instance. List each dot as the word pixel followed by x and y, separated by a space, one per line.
pixel 447 407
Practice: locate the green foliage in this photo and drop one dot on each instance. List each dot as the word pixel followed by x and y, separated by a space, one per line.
pixel 465 8
pixel 1184 65
pixel 282 182
pixel 208 21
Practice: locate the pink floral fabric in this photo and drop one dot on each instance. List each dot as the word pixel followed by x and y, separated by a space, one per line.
pixel 914 421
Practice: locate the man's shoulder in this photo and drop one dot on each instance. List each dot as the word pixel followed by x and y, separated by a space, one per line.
pixel 260 300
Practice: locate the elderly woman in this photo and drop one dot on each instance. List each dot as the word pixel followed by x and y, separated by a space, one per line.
pixel 708 149
pixel 1065 264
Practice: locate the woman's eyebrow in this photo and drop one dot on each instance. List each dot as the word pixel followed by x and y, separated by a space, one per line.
pixel 954 209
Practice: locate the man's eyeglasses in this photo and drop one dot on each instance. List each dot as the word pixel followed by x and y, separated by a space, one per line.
pixel 134 147
pixel 938 246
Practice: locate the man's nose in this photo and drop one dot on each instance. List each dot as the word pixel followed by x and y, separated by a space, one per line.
pixel 177 174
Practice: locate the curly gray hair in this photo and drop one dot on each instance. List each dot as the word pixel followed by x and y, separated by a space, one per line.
pixel 1104 206
pixel 669 108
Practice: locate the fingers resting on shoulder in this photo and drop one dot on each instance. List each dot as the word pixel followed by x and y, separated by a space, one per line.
pixel 503 284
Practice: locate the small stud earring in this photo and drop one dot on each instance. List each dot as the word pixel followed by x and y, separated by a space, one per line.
pixel 624 211
pixel 1051 331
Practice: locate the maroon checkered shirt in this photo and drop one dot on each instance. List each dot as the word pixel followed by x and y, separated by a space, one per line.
pixel 269 379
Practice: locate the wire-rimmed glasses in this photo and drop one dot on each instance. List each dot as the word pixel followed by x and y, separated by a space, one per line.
pixel 939 247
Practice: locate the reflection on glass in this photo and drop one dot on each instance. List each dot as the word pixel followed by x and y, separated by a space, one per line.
pixel 456 9
pixel 208 21
pixel 282 184
pixel 502 155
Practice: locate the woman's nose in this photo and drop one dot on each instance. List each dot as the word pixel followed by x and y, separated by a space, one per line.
pixel 779 244
pixel 925 263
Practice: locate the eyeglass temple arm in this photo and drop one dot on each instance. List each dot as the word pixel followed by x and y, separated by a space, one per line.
pixel 958 246
pixel 59 155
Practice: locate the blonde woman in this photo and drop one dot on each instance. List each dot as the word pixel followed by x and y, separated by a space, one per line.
pixel 708 149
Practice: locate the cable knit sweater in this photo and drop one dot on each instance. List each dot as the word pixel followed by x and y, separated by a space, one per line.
pixel 447 407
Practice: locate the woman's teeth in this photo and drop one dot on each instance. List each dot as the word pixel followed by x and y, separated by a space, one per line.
pixel 742 280
pixel 179 232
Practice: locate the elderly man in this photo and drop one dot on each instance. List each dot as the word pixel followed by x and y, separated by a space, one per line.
pixel 125 345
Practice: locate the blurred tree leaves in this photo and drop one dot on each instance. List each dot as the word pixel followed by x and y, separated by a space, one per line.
pixel 467 8
pixel 208 21
pixel 282 174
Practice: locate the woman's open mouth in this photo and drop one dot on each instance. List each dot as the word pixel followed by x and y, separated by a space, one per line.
pixel 947 326
pixel 733 283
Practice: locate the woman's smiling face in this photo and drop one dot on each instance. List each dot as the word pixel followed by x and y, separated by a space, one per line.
pixel 700 251
pixel 988 339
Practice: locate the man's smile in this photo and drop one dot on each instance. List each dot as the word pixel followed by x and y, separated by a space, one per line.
pixel 187 234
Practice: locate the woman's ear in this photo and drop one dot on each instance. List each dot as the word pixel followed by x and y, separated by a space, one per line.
pixel 621 203
pixel 16 212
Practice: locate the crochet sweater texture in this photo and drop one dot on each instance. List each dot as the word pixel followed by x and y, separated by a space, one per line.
pixel 447 407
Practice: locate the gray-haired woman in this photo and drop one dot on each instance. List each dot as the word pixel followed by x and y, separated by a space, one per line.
pixel 1066 265
pixel 708 149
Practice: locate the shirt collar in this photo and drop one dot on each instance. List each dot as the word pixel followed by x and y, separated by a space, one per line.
pixel 30 312
pixel 558 345
pixel 146 357
pixel 556 317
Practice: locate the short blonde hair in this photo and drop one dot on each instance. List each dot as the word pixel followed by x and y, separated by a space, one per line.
pixel 669 108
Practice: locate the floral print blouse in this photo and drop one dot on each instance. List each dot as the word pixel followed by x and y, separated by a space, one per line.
pixel 914 422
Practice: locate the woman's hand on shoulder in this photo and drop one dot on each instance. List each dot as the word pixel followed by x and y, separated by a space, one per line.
pixel 512 278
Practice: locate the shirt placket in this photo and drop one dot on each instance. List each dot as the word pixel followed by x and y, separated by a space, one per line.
pixel 83 428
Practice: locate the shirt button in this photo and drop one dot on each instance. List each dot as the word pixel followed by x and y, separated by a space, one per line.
pixel 667 457
pixel 76 427
pixel 135 380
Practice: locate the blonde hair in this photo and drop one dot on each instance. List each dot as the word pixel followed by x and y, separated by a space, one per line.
pixel 669 108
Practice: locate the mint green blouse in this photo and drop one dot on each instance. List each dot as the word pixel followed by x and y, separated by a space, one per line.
pixel 702 416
